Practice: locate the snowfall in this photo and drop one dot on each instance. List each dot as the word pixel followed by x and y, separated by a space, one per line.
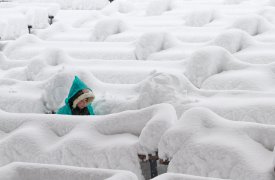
pixel 188 82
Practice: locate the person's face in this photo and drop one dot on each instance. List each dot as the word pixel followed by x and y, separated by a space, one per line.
pixel 83 103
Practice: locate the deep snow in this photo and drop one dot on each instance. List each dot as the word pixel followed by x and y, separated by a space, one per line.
pixel 197 77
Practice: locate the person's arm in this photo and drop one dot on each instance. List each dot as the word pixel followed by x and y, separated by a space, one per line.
pixel 64 110
pixel 91 109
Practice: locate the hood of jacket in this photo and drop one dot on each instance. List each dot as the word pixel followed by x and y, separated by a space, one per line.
pixel 76 86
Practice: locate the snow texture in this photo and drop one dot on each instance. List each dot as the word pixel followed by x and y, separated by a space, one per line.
pixel 107 27
pixel 175 176
pixel 26 171
pixel 149 63
pixel 73 4
pixel 111 141
pixel 203 143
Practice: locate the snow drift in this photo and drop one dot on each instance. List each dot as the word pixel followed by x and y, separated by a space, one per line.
pixel 111 141
pixel 27 171
pixel 203 143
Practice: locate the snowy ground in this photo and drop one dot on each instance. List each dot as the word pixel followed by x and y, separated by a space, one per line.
pixel 193 80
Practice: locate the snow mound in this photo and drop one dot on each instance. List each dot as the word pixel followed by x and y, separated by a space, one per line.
pixel 84 4
pixel 73 4
pixel 55 28
pixel 200 17
pixel 233 40
pixel 233 1
pixel 56 90
pixel 49 57
pixel 165 88
pixel 66 140
pixel 13 26
pixel 37 17
pixel 27 171
pixel 23 40
pixel 3 61
pixel 271 3
pixel 246 79
pixel 106 27
pixel 175 176
pixel 209 61
pixel 153 42
pixel 157 7
pixel 252 24
pixel 203 143
pixel 121 6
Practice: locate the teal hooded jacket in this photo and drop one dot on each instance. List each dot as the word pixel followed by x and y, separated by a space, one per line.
pixel 76 86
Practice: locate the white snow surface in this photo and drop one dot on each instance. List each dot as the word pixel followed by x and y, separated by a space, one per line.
pixel 111 141
pixel 27 171
pixel 191 79
pixel 203 143
pixel 177 176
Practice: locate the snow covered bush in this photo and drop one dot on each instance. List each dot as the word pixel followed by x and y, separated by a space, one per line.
pixel 209 61
pixel 200 17
pixel 29 46
pixel 205 144
pixel 48 59
pixel 252 24
pixel 13 26
pixel 153 42
pixel 37 17
pixel 106 27
pixel 52 30
pixel 73 4
pixel 20 42
pixel 157 7
pixel 162 87
pixel 121 6
pixel 233 40
pixel 254 79
pixel 112 141
pixel 27 171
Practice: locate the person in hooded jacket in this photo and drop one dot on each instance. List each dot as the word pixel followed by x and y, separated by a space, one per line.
pixel 79 100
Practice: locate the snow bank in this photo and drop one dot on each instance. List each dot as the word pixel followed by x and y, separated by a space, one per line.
pixel 233 1
pixel 37 17
pixel 6 64
pixel 13 26
pixel 55 28
pixel 51 57
pixel 73 4
pixel 29 46
pixel 121 6
pixel 252 24
pixel 256 79
pixel 153 42
pixel 27 171
pixel 66 140
pixel 106 27
pixel 22 41
pixel 233 40
pixel 35 13
pixel 200 18
pixel 56 90
pixel 162 87
pixel 3 61
pixel 157 7
pixel 203 143
pixel 209 61
pixel 174 176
